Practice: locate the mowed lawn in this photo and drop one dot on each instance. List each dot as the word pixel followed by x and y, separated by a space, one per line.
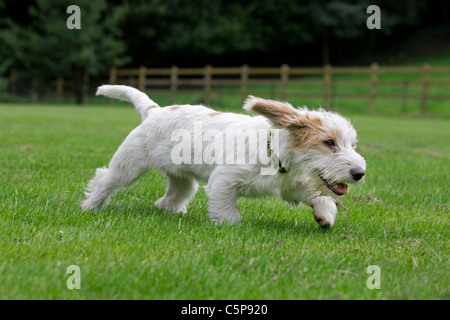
pixel 398 220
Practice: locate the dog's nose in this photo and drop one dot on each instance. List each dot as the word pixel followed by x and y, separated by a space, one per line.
pixel 357 173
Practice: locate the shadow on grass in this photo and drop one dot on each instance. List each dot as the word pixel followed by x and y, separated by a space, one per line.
pixel 145 212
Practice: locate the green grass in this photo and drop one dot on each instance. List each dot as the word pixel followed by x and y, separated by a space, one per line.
pixel 398 220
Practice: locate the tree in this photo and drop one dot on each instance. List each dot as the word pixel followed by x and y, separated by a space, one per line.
pixel 46 49
pixel 346 19
pixel 196 32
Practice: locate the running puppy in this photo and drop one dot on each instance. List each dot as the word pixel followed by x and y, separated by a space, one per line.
pixel 299 155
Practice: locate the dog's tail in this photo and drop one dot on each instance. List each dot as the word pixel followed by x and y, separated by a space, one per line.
pixel 140 100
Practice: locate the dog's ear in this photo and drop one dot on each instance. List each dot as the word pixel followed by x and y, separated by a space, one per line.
pixel 280 114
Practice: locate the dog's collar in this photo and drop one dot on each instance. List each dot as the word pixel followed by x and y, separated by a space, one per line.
pixel 270 154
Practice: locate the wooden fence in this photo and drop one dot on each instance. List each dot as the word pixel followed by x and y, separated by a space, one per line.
pixel 181 79
pixel 205 80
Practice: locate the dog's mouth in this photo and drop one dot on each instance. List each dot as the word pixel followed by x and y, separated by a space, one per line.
pixel 337 188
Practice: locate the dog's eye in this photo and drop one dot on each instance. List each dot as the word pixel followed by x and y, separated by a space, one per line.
pixel 329 143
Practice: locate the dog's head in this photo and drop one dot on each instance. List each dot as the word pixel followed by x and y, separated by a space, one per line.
pixel 323 143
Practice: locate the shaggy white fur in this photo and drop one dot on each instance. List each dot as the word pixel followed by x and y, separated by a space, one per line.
pixel 315 156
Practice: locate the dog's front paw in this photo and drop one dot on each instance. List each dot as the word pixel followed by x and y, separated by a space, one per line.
pixel 324 211
pixel 324 221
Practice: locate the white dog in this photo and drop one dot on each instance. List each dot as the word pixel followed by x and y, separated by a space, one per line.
pixel 315 157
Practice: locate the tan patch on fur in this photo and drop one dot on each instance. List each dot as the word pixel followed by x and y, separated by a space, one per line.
pixel 308 131
pixel 312 134
pixel 215 113
pixel 173 108
pixel 148 109
pixel 281 114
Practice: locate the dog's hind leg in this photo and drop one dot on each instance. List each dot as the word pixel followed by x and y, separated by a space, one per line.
pixel 126 166
pixel 178 193
pixel 106 182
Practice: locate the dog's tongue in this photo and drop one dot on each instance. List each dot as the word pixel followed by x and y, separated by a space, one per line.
pixel 340 188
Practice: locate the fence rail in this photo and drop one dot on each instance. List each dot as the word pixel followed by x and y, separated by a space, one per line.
pixel 205 80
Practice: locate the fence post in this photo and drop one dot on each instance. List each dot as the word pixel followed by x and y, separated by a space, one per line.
pixel 405 96
pixel 59 89
pixel 425 82
pixel 326 86
pixel 207 80
pixel 244 82
pixel 173 83
pixel 142 78
pixel 284 81
pixel 112 80
pixel 373 87
pixel 112 75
